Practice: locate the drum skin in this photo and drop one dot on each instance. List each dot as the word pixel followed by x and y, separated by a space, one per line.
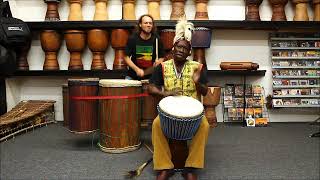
pixel 120 120
pixel 83 114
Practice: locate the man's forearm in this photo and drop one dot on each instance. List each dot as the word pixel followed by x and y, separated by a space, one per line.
pixel 202 88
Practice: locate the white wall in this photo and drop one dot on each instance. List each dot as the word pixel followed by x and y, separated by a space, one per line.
pixel 231 45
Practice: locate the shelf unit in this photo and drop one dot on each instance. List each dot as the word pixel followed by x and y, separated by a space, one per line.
pixel 296 69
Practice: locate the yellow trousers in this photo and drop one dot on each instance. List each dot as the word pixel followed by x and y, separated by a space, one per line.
pixel 162 154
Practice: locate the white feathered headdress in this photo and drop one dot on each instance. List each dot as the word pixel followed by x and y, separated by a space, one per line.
pixel 184 30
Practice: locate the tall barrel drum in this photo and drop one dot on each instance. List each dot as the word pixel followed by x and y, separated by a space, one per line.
pixel 119 117
pixel 83 114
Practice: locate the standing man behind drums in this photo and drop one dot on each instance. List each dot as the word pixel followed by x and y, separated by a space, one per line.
pixel 179 76
pixel 144 49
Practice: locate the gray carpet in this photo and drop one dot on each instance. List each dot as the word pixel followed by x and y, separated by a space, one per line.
pixel 280 151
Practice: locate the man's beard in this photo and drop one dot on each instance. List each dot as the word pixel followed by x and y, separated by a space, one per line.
pixel 142 30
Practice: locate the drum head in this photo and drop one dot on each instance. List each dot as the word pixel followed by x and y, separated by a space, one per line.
pixel 118 83
pixel 181 106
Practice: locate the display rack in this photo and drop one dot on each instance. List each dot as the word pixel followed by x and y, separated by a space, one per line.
pixel 295 69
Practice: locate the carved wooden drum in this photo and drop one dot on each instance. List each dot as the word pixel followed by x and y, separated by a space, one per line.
pixel 210 101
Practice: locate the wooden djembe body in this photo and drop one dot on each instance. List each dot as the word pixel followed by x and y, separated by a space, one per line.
pixel 119 39
pixel 75 39
pixel 128 10
pixel 98 38
pixel 278 10
pixel 301 10
pixel 167 36
pixel 252 10
pixel 210 101
pixel 177 11
pixel 316 10
pixel 22 54
pixel 51 39
pixel 154 9
pixel 201 37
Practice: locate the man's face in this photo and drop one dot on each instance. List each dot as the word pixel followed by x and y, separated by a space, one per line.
pixel 146 24
pixel 181 50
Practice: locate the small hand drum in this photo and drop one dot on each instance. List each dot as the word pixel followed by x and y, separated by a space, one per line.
pixel 180 116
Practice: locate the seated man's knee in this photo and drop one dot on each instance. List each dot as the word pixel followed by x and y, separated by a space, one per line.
pixel 156 122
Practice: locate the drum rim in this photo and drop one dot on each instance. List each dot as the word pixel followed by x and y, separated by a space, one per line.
pixel 119 83
pixel 191 118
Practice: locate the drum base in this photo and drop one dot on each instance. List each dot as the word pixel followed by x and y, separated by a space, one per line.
pixel 119 150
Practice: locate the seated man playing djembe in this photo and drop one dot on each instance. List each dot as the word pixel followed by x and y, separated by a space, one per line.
pixel 179 76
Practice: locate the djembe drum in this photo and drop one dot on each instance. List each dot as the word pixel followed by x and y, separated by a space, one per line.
pixel 119 39
pixel 316 10
pixel 210 101
pixel 128 12
pixel 75 39
pixel 98 38
pixel 167 36
pixel 179 124
pixel 149 106
pixel 119 118
pixel 278 10
pixel 65 99
pixel 252 10
pixel 177 11
pixel 301 10
pixel 83 114
pixel 201 39
pixel 22 54
pixel 154 9
pixel 51 39
pixel 201 10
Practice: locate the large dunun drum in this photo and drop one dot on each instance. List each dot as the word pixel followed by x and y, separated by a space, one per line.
pixel 149 106
pixel 180 116
pixel 119 118
pixel 83 114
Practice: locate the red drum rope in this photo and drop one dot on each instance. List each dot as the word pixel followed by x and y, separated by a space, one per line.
pixel 109 97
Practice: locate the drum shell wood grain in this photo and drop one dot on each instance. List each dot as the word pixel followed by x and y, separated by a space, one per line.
pixel 177 11
pixel 278 10
pixel 301 10
pixel 75 42
pixel 252 10
pixel 119 40
pixel 98 41
pixel 316 10
pixel 83 114
pixel 149 106
pixel 210 101
pixel 120 118
pixel 50 43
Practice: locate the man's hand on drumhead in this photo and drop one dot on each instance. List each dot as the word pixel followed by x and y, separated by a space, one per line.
pixel 173 93
pixel 196 75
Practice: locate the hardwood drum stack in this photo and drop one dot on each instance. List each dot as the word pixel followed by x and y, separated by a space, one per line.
pixel 210 101
pixel 301 10
pixel 201 37
pixel 252 10
pixel 167 36
pixel 83 114
pixel 177 11
pixel 75 39
pixel 154 9
pixel 119 118
pixel 316 10
pixel 51 39
pixel 278 10
pixel 98 38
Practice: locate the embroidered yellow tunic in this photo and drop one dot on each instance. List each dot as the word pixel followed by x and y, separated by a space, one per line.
pixel 174 81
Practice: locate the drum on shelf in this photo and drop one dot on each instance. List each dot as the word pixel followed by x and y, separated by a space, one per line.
pixel 278 10
pixel 83 114
pixel 252 10
pixel 149 106
pixel 119 39
pixel 119 118
pixel 180 116
pixel 210 101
